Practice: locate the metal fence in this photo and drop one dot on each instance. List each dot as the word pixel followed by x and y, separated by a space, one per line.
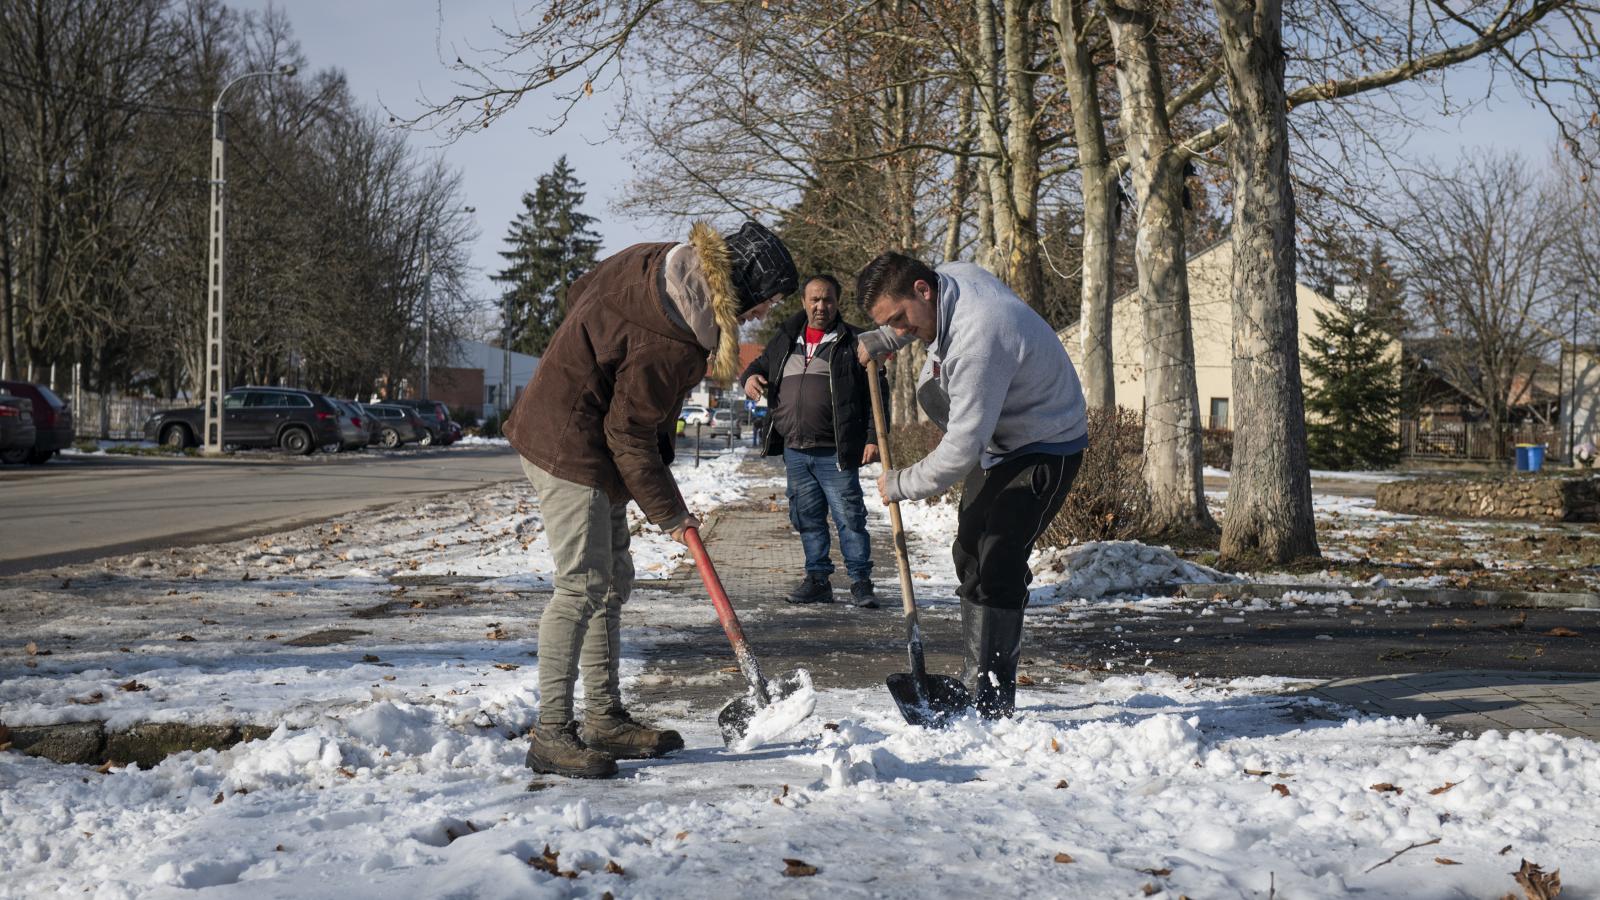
pixel 1476 441
pixel 110 417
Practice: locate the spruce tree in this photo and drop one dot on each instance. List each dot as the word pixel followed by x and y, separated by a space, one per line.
pixel 1353 394
pixel 550 243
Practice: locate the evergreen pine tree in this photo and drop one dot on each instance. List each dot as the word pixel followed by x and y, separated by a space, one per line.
pixel 549 244
pixel 1353 393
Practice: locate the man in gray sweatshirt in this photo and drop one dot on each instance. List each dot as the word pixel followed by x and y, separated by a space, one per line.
pixel 1000 384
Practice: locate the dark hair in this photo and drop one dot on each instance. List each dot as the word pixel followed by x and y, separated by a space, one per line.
pixel 893 274
pixel 838 290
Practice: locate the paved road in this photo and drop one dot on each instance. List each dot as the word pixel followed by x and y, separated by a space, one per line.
pixel 80 509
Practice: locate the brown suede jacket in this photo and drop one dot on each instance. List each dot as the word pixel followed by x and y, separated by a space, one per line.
pixel 611 384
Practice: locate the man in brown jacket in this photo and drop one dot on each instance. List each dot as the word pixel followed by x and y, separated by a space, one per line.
pixel 595 430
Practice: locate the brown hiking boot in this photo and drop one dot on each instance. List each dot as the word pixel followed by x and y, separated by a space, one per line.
pixel 618 734
pixel 557 750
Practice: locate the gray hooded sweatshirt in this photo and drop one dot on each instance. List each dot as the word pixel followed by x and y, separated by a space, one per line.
pixel 997 380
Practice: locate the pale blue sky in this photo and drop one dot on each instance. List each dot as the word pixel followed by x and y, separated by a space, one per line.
pixel 391 52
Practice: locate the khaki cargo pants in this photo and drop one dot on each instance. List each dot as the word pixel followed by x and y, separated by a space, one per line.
pixel 581 629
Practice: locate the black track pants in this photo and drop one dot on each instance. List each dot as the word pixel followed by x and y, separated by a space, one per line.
pixel 1003 511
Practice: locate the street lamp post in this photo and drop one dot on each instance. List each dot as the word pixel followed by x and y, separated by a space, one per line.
pixel 216 378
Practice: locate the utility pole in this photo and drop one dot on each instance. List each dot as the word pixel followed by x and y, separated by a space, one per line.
pixel 216 371
pixel 505 371
pixel 427 319
pixel 1572 411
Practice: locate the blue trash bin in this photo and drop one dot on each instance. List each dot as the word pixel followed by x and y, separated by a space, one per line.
pixel 1530 457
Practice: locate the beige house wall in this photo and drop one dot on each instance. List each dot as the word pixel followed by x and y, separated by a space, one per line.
pixel 1210 310
pixel 1584 407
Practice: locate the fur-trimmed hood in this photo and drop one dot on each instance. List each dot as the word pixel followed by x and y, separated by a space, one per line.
pixel 711 251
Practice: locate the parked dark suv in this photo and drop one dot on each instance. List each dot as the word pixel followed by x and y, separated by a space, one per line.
pixel 397 425
pixel 435 416
pixel 298 421
pixel 52 423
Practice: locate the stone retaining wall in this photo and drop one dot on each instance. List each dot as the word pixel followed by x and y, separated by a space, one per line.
pixel 1549 498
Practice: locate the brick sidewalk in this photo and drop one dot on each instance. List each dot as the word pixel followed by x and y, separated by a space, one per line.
pixel 1477 700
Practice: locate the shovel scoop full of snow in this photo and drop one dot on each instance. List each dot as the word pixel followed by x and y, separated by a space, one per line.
pixel 747 723
pixel 772 706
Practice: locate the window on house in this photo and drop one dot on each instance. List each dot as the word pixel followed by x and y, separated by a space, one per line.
pixel 1219 412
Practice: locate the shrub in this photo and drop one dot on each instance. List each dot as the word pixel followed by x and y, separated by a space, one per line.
pixel 491 426
pixel 1108 500
pixel 911 441
pixel 1216 448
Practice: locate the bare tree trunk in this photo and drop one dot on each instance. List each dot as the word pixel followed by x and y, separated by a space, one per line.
pixel 1269 496
pixel 1024 270
pixel 1172 468
pixel 997 250
pixel 1096 363
pixel 960 180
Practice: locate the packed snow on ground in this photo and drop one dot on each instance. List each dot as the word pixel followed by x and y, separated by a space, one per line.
pixel 1380 477
pixel 1105 569
pixel 1096 789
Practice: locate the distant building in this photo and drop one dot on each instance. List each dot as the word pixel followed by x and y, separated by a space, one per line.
pixel 474 378
pixel 1580 394
pixel 1211 316
pixel 710 394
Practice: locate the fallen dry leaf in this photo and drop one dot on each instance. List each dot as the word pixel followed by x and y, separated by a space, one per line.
pixel 1024 680
pixel 368 658
pixel 797 868
pixel 1447 786
pixel 132 685
pixel 1258 772
pixel 1150 889
pixel 1384 787
pixel 1063 858
pixel 1061 785
pixel 106 767
pixel 1281 788
pixel 1536 884
pixel 1445 861
pixel 682 834
pixel 507 667
pixel 779 799
pixel 349 774
pixel 613 869
pixel 1159 873
pixel 547 862
pixel 186 638
pixel 1558 631
pixel 729 670
pixel 1055 746
pixel 217 799
pixel 32 648
pixel 90 700
pixel 1504 850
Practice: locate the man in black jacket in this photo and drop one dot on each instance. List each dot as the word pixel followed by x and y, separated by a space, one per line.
pixel 820 419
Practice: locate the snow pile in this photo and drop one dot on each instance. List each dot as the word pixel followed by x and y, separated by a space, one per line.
pixel 1105 569
pixel 473 440
pixel 780 717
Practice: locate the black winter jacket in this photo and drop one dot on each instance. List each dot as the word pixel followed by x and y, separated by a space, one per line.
pixel 852 405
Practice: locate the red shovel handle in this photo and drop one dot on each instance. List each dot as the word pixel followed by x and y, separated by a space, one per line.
pixel 725 614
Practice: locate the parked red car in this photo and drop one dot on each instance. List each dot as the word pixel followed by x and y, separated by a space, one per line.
pixel 52 423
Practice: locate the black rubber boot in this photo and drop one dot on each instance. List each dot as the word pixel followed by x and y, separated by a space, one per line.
pixel 557 750
pixel 993 639
pixel 813 589
pixel 618 734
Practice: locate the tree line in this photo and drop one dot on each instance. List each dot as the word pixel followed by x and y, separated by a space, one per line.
pixel 1079 148
pixel 104 157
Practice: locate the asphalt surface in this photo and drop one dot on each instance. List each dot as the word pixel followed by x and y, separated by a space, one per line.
pixel 74 509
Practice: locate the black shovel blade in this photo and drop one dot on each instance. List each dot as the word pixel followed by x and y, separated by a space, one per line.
pixel 932 704
pixel 734 720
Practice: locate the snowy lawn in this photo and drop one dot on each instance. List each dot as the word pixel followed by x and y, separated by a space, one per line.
pixel 396 770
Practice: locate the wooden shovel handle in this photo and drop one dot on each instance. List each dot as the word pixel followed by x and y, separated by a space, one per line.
pixel 908 594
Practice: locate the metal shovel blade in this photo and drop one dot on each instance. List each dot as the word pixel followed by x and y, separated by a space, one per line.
pixel 734 719
pixel 933 702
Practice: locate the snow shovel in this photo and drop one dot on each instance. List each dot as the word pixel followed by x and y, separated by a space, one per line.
pixel 734 719
pixel 929 701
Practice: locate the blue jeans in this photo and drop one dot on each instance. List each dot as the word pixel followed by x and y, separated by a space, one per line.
pixel 818 486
